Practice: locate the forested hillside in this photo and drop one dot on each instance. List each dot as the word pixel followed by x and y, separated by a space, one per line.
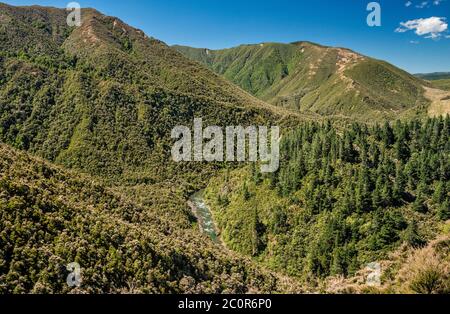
pixel 342 198
pixel 50 217
pixel 86 173
pixel 103 98
pixel 308 77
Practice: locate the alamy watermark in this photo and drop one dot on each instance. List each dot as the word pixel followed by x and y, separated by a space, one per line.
pixel 374 277
pixel 74 17
pixel 241 144
pixel 74 278
pixel 374 17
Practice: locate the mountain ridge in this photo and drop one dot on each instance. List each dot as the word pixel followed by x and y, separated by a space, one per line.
pixel 72 94
pixel 309 77
pixel 434 76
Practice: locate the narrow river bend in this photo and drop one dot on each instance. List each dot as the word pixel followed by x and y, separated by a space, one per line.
pixel 204 216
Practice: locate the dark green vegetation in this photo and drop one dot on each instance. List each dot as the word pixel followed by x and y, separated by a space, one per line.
pixel 50 217
pixel 434 76
pixel 341 199
pixel 102 99
pixel 312 78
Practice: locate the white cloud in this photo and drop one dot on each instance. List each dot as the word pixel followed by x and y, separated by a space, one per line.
pixel 425 4
pixel 401 30
pixel 431 27
pixel 432 36
pixel 422 5
pixel 414 42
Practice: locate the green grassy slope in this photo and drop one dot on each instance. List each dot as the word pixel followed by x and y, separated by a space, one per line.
pixel 441 84
pixel 313 78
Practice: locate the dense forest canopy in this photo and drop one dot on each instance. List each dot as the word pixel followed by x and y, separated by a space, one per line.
pixel 342 198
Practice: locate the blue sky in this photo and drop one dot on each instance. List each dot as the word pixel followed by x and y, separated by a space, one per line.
pixel 218 24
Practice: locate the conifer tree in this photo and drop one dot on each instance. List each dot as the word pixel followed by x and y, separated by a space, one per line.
pixel 444 211
pixel 412 237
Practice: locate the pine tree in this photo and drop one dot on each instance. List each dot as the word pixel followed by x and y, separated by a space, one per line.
pixel 419 204
pixel 444 211
pixel 412 237
pixel 273 180
pixel 439 193
pixel 376 194
pixel 245 192
pixel 399 185
pixel 279 220
pixel 338 266
pixel 388 135
pixel 402 150
pixel 362 194
pixel 386 193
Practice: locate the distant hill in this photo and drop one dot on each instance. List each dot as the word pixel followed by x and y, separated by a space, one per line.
pixel 442 84
pixel 434 76
pixel 312 78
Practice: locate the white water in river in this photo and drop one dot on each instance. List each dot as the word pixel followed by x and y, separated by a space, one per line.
pixel 204 216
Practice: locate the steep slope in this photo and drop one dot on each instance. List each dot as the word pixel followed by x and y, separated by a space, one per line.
pixel 50 217
pixel 309 77
pixel 343 198
pixel 103 97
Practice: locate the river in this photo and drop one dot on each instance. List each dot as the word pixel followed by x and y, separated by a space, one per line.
pixel 204 216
